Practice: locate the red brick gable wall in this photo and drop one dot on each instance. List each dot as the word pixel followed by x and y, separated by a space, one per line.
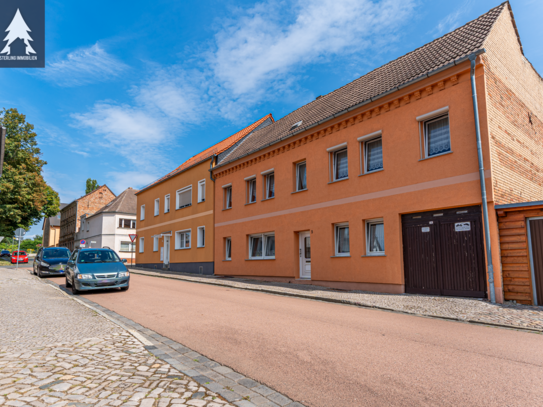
pixel 515 114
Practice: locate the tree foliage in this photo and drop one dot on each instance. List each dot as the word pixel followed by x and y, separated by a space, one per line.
pixel 92 185
pixel 25 198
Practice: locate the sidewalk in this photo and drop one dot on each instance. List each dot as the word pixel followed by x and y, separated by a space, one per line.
pixel 62 351
pixel 459 309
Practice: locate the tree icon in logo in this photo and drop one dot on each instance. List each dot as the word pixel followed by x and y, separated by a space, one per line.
pixel 18 29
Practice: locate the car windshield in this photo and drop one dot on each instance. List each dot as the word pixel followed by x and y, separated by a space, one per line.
pixel 19 253
pixel 98 256
pixel 56 254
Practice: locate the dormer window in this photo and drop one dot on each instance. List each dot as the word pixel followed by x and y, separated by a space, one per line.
pixel 295 125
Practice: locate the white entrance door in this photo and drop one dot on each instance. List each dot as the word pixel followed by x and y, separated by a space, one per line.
pixel 305 255
pixel 166 251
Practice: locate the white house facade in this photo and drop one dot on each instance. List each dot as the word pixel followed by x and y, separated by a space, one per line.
pixel 111 226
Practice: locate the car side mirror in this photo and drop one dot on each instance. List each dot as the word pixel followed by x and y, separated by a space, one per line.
pixel 123 260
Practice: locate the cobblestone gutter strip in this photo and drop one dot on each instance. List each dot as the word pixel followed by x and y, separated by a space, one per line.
pixel 232 386
pixel 455 309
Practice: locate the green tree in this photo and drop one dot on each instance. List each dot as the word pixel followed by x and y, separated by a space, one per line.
pixel 92 184
pixel 25 198
pixel 31 245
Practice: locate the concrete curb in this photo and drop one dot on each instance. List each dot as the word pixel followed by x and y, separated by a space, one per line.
pixel 234 387
pixel 332 300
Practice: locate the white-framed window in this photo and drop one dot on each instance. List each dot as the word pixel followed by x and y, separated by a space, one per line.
pixel 183 197
pixel 437 137
pixel 142 240
pixel 270 185
pixel 341 232
pixel 128 247
pixel 262 246
pixel 142 212
pixel 201 236
pixel 155 243
pixel 227 197
pixel 157 206
pixel 340 164
pixel 375 237
pixel 167 203
pixel 182 239
pixel 127 223
pixel 251 190
pixel 372 153
pixel 228 248
pixel 201 191
pixel 301 176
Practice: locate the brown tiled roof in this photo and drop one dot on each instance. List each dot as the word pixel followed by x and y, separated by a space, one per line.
pixel 440 53
pixel 126 202
pixel 213 150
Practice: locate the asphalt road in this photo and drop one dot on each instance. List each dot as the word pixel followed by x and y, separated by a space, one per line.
pixel 330 355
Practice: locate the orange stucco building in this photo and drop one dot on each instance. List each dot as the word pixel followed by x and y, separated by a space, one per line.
pixel 175 214
pixel 376 186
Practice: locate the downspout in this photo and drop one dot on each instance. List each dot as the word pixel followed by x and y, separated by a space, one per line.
pixel 490 267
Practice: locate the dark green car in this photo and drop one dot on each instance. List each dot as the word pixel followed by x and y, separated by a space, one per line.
pixel 96 269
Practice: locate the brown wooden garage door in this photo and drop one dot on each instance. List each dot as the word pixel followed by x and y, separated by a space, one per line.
pixel 536 252
pixel 444 253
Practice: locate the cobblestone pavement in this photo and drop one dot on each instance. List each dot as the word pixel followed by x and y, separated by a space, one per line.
pixel 57 352
pixel 462 309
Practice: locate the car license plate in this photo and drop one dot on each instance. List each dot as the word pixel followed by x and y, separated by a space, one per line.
pixel 103 281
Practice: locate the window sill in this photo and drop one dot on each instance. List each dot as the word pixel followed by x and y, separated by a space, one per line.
pixel 339 257
pixel 250 203
pixel 183 248
pixel 226 209
pixel 437 155
pixel 267 199
pixel 183 207
pixel 338 180
pixel 374 255
pixel 228 260
pixel 301 190
pixel 258 259
pixel 200 247
pixel 371 172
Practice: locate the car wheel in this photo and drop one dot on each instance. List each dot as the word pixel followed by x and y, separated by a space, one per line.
pixel 74 290
pixel 39 274
pixel 68 284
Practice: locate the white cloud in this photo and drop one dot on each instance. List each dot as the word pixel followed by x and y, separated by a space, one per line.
pixel 83 66
pixel 119 181
pixel 257 56
pixel 259 51
pixel 453 20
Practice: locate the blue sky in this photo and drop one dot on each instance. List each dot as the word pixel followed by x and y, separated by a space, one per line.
pixel 133 88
